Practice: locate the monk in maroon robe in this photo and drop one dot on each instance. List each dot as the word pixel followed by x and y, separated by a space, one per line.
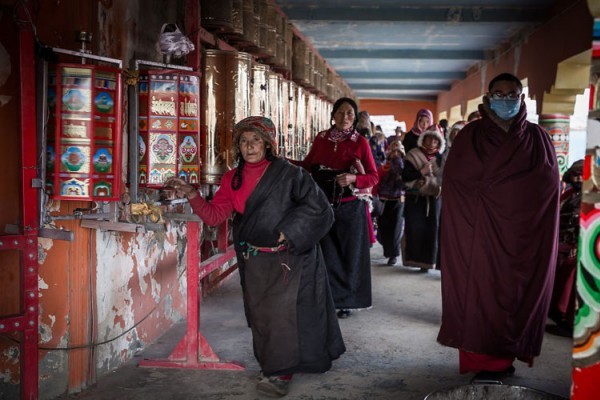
pixel 498 235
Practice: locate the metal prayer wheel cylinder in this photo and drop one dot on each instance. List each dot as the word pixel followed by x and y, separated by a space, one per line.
pixel 225 101
pixel 301 142
pixel 275 106
pixel 251 23
pixel 310 67
pixel 311 117
pixel 558 127
pixel 271 42
pixel 292 149
pixel 289 41
pixel 237 17
pixel 259 90
pixel 261 9
pixel 300 63
pixel 217 15
pixel 284 118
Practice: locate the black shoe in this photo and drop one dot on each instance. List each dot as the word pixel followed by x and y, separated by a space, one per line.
pixel 273 386
pixel 560 330
pixel 493 376
pixel 392 261
pixel 344 313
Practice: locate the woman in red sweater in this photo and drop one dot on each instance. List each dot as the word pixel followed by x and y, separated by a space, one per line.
pixel 280 216
pixel 342 164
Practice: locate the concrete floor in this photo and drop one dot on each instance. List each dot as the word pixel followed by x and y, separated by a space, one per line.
pixel 392 352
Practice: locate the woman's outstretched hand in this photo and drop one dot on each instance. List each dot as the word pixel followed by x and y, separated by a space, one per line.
pixel 182 188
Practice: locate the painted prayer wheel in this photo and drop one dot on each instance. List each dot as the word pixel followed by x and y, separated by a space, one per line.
pixel 259 94
pixel 217 16
pixel 84 132
pixel 168 123
pixel 225 101
pixel 558 127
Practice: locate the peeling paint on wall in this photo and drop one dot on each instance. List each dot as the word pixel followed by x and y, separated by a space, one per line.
pixel 44 245
pixel 135 283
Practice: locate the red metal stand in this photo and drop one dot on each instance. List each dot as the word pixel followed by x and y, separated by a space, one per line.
pixel 26 322
pixel 193 351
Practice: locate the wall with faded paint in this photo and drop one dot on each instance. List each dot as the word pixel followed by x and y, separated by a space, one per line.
pixel 105 295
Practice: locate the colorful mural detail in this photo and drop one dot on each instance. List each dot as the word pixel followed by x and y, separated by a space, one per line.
pixel 586 334
pixel 558 127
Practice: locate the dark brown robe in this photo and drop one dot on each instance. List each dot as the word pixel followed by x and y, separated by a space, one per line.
pixel 498 237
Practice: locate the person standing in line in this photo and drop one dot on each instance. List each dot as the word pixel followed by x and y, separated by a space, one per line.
pixel 499 235
pixel 280 215
pixel 390 191
pixel 562 306
pixel 422 176
pixel 341 162
pixel 378 145
pixel 398 135
pixel 423 121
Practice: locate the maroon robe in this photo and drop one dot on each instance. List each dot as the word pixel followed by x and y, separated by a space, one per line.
pixel 498 237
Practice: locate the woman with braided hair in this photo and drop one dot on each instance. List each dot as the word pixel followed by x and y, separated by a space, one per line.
pixel 280 215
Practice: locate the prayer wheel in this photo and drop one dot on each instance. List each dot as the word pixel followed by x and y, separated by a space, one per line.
pixel 251 24
pixel 558 127
pixel 300 63
pixel 288 42
pixel 292 127
pixel 300 124
pixel 261 11
pixel 225 101
pixel 275 106
pixel 217 16
pixel 259 94
pixel 271 24
pixel 237 17
pixel 284 117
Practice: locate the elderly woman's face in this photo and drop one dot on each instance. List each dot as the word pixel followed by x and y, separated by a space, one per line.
pixel 423 123
pixel 430 144
pixel 252 147
pixel 344 117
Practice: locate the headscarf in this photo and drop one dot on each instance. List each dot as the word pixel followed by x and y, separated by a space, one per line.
pixel 573 171
pixel 436 131
pixel 422 113
pixel 263 126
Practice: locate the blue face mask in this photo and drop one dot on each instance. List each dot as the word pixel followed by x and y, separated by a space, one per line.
pixel 505 108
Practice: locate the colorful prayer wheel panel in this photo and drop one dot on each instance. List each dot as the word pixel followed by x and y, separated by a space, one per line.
pixel 84 142
pixel 169 127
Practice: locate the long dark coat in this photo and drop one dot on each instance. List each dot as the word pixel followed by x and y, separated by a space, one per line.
pixel 498 237
pixel 287 298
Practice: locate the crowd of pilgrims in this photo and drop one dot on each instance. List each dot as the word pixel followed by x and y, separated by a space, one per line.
pixel 303 231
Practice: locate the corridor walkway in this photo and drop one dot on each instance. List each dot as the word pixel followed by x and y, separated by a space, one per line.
pixel 391 352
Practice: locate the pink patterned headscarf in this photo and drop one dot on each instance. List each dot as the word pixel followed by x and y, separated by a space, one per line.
pixel 422 113
pixel 262 126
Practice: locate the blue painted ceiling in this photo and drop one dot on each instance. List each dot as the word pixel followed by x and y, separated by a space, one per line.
pixel 410 49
